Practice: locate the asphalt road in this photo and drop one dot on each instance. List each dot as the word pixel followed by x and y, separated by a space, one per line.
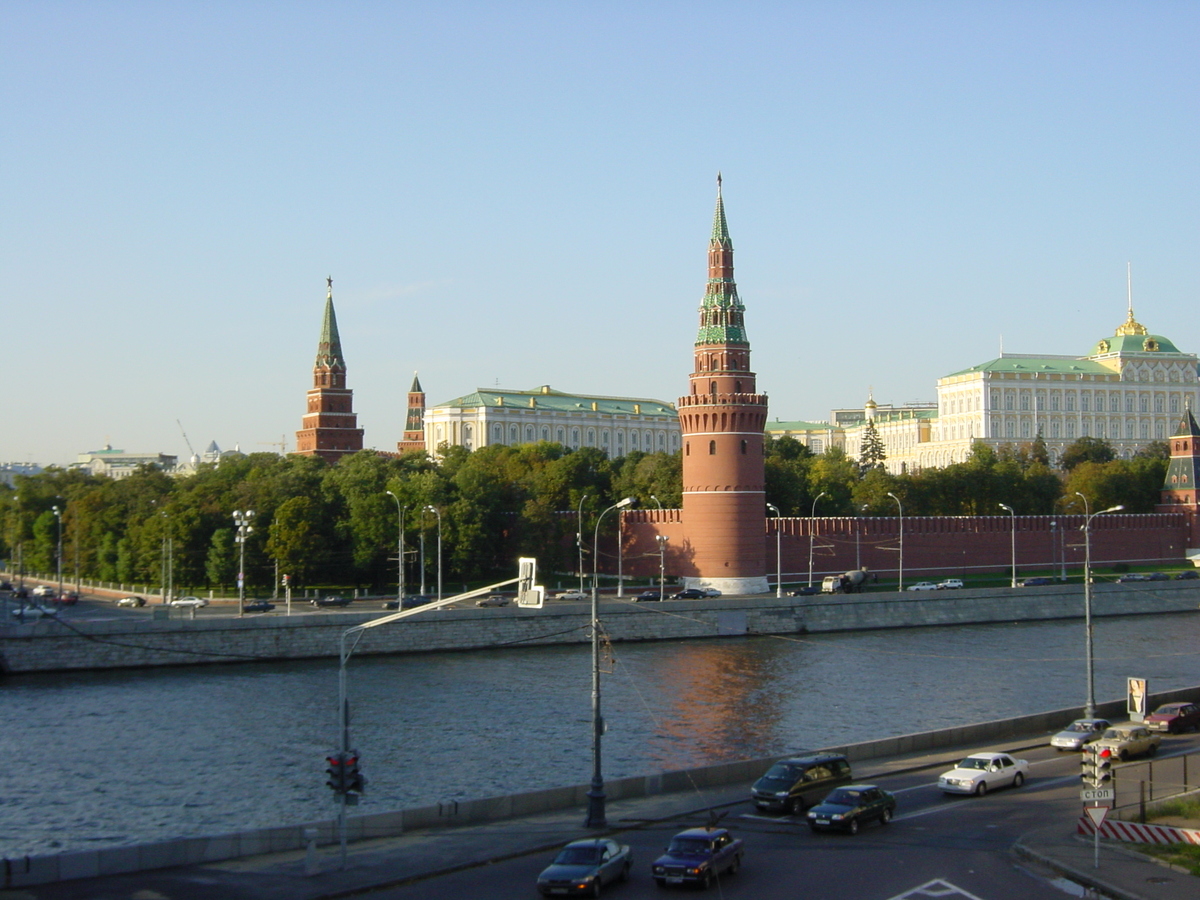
pixel 937 846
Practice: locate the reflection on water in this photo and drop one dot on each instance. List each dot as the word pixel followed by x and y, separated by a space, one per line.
pixel 119 757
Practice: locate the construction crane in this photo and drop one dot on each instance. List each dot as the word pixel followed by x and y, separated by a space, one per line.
pixel 281 444
pixel 186 441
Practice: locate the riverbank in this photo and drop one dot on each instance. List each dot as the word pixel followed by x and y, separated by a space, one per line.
pixel 135 641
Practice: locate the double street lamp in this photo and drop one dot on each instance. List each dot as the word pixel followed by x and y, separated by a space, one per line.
pixel 399 551
pixel 434 510
pixel 1013 516
pixel 58 515
pixel 596 797
pixel 779 559
pixel 242 521
pixel 579 540
pixel 1089 710
pixel 901 507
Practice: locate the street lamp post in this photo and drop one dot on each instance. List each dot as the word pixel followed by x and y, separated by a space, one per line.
pixel 901 508
pixel 1013 516
pixel 242 521
pixel 858 538
pixel 434 510
pixel 1089 710
pixel 579 540
pixel 662 564
pixel 811 515
pixel 779 559
pixel 58 515
pixel 595 810
pixel 399 552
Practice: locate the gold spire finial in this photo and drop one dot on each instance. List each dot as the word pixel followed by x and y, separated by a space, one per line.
pixel 1131 325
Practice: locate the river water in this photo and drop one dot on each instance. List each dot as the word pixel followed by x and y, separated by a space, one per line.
pixel 105 758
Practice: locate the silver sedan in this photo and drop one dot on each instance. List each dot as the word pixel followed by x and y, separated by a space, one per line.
pixel 983 772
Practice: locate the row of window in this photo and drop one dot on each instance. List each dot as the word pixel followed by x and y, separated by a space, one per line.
pixel 648 441
pixel 1087 401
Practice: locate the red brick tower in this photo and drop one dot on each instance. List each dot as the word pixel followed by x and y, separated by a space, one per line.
pixel 722 420
pixel 414 425
pixel 1181 487
pixel 329 427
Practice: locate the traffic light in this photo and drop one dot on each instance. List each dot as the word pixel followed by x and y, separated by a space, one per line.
pixel 354 780
pixel 337 772
pixel 1097 765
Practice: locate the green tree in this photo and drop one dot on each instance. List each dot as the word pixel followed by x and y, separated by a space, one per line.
pixel 295 539
pixel 872 454
pixel 221 563
pixel 1086 449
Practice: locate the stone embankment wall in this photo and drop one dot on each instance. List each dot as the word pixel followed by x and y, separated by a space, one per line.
pixel 134 640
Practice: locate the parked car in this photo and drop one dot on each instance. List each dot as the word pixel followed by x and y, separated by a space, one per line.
pixel 648 595
pixel 698 856
pixel 849 808
pixel 807 591
pixel 983 772
pixel 1187 575
pixel 688 594
pixel 1079 733
pixel 1132 576
pixel 6 586
pixel 1036 581
pixel 1129 740
pixel 1158 576
pixel 492 600
pixel 412 601
pixel 794 784
pixel 132 601
pixel 923 586
pixel 259 606
pixel 571 595
pixel 949 584
pixel 1175 718
pixel 189 602
pixel 710 592
pixel 334 600
pixel 584 867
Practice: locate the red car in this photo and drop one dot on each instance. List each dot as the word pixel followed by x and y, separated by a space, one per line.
pixel 1174 718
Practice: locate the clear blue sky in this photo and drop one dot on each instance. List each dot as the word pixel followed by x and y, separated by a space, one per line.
pixel 521 194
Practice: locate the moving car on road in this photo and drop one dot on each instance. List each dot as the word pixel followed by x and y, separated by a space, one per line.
pixel 949 584
pixel 1035 581
pixel 323 602
pixel 34 612
pixel 1129 740
pixel 648 595
pixel 1175 718
pixel 698 856
pixel 1079 733
pixel 849 808
pixel 189 602
pixel 132 601
pixel 688 594
pixel 259 606
pixel 492 600
pixel 794 784
pixel 584 867
pixel 570 595
pixel 983 772
pixel 1132 576
pixel 923 586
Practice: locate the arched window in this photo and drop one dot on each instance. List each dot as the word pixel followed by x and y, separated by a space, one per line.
pixel 712 387
pixel 712 448
pixel 687 448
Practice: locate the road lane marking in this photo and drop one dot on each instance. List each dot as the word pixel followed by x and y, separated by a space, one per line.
pixel 939 888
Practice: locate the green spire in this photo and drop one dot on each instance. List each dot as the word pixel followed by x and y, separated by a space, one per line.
pixel 329 348
pixel 722 315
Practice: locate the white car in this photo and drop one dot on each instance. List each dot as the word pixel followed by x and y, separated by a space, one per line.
pixel 44 590
pixel 571 595
pixel 192 602
pixel 131 601
pixel 950 584
pixel 1079 733
pixel 923 586
pixel 982 772
pixel 711 592
pixel 34 612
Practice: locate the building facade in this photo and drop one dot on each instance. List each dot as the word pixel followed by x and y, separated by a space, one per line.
pixel 330 427
pixel 120 464
pixel 1129 391
pixel 615 425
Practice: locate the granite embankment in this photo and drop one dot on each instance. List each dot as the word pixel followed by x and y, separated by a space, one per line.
pixel 140 641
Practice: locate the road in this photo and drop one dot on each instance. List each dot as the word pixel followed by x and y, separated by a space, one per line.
pixel 952 848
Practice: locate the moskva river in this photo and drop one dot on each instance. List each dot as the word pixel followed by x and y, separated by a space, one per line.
pixel 93 759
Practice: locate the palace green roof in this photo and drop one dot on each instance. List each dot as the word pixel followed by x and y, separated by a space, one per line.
pixel 1134 343
pixel 773 427
pixel 1045 365
pixel 545 398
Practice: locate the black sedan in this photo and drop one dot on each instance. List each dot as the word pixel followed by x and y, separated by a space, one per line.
pixel 584 867
pixel 331 601
pixel 849 808
pixel 698 856
pixel 648 595
pixel 689 594
pixel 259 606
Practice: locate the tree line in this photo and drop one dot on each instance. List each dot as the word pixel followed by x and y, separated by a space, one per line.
pixel 325 524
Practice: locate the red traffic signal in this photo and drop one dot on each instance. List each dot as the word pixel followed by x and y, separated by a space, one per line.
pixel 337 772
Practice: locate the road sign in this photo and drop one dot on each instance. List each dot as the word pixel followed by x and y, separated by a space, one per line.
pixel 1096 814
pixel 1098 794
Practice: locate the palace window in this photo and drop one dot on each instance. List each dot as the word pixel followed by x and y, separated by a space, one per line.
pixel 1174 404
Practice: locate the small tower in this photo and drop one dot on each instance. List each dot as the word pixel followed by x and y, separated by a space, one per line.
pixel 1181 487
pixel 414 425
pixel 329 428
pixel 722 420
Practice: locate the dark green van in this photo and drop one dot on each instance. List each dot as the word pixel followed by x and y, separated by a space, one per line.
pixel 792 785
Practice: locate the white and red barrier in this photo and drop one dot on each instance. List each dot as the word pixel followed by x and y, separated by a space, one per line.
pixel 1135 833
